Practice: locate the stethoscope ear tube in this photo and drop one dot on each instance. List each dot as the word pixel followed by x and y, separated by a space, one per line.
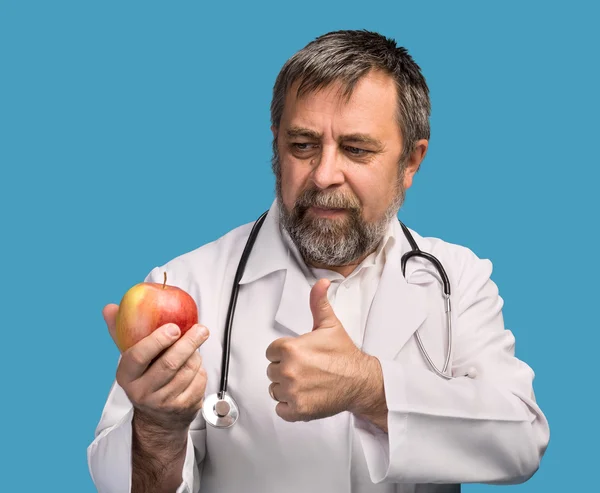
pixel 416 252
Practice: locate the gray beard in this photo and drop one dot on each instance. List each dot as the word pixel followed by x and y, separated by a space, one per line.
pixel 333 242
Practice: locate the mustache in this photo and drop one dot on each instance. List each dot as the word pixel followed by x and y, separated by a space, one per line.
pixel 316 198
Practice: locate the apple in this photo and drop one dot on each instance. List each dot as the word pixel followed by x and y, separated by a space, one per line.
pixel 149 305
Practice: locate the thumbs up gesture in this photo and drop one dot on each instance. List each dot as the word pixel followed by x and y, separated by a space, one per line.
pixel 318 374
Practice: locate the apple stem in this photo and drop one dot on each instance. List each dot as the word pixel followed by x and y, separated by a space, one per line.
pixel 164 283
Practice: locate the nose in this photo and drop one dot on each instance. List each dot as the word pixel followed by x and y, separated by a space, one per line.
pixel 327 168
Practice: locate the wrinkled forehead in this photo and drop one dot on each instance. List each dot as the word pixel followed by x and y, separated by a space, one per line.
pixel 370 104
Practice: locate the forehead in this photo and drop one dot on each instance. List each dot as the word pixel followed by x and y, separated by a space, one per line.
pixel 371 107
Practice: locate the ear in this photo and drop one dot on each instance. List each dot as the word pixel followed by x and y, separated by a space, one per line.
pixel 274 131
pixel 414 161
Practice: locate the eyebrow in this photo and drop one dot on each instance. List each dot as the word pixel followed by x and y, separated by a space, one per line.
pixel 356 137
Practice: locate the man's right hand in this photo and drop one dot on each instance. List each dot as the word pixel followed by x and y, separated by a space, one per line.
pixel 162 374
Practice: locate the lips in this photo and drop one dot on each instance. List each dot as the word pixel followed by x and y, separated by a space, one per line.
pixel 327 209
pixel 323 211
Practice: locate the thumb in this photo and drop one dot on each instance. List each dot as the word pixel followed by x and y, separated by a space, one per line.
pixel 109 312
pixel 322 311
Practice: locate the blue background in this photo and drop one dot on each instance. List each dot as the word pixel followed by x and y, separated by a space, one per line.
pixel 132 132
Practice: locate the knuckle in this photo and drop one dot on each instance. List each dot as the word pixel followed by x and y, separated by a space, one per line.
pixel 168 364
pixel 288 372
pixel 160 341
pixel 135 396
pixel 289 348
pixel 286 345
pixel 134 356
pixel 192 364
pixel 196 358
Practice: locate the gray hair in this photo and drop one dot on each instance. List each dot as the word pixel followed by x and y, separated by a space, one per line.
pixel 346 57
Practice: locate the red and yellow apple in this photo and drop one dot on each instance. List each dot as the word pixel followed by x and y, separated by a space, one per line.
pixel 148 306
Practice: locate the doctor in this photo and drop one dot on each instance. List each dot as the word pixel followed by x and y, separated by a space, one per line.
pixel 334 391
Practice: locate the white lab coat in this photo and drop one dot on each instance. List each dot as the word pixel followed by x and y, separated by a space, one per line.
pixel 486 429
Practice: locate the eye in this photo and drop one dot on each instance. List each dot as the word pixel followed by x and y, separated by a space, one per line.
pixel 302 146
pixel 355 151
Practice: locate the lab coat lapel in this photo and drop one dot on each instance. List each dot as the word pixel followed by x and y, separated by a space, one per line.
pixel 294 308
pixel 271 254
pixel 398 309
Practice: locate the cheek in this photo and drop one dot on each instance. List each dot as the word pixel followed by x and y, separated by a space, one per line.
pixel 375 193
pixel 292 182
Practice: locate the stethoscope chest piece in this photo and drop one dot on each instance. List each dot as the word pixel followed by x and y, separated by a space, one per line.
pixel 220 412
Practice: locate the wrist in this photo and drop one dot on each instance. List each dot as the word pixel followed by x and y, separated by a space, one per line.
pixel 158 455
pixel 365 380
pixel 369 399
pixel 152 432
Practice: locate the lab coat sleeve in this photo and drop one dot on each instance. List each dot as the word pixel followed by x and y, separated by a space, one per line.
pixel 488 429
pixel 109 455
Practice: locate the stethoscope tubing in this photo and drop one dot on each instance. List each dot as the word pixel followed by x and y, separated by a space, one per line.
pixel 416 252
pixel 233 303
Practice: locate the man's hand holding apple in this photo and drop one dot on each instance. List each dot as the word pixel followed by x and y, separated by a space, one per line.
pixel 162 374
pixel 163 377
pixel 156 329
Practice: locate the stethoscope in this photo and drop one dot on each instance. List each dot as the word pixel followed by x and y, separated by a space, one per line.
pixel 221 411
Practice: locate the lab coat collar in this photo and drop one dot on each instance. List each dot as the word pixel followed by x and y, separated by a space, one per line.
pixel 269 253
pixel 398 307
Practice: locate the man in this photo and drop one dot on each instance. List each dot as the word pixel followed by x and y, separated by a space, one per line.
pixel 335 392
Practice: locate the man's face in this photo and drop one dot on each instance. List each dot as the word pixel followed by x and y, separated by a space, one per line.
pixel 339 183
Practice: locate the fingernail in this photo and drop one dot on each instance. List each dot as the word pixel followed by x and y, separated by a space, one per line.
pixel 172 330
pixel 201 331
